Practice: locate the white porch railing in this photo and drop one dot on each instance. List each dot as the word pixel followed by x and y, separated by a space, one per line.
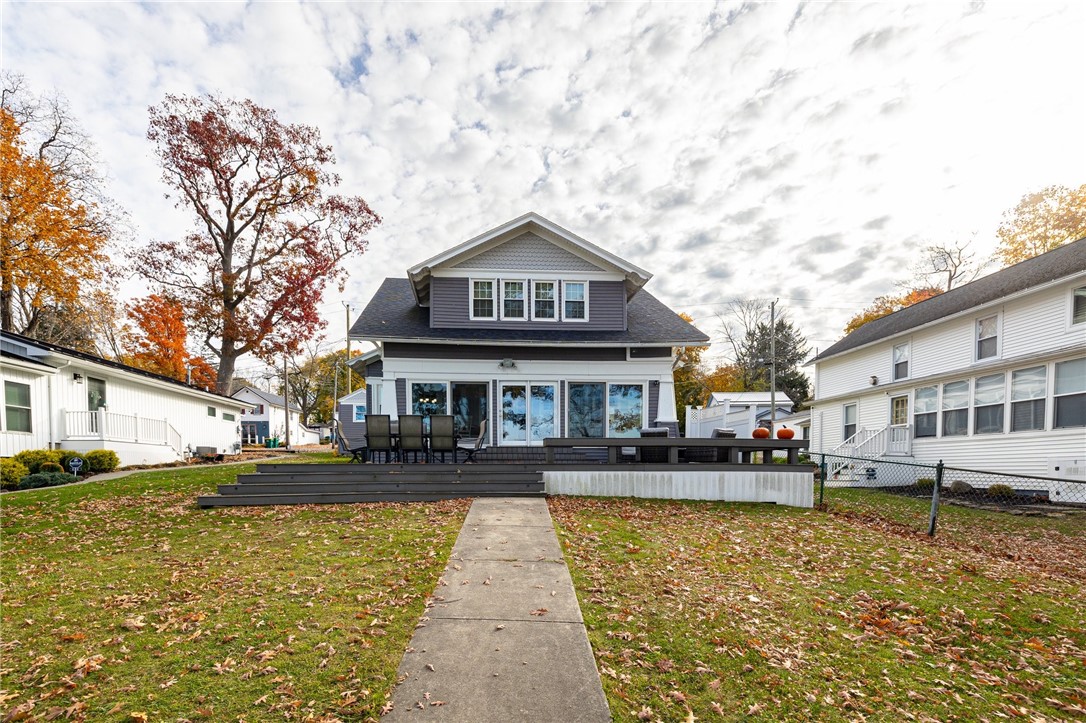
pixel 114 426
pixel 893 439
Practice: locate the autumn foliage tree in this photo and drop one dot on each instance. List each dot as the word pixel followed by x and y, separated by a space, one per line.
pixel 269 235
pixel 886 305
pixel 159 342
pixel 1042 221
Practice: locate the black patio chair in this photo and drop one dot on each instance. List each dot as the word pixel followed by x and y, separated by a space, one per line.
pixel 654 455
pixel 358 454
pixel 379 435
pixel 442 436
pixel 412 438
pixel 473 448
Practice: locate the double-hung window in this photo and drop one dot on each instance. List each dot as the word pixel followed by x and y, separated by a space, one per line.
pixel 925 410
pixel 987 337
pixel 359 413
pixel 955 409
pixel 848 414
pixel 901 361
pixel 482 299
pixel 513 300
pixel 1078 305
pixel 988 397
pixel 17 417
pixel 543 300
pixel 1069 394
pixel 1028 387
pixel 575 301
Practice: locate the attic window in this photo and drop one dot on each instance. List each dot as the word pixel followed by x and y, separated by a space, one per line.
pixel 482 299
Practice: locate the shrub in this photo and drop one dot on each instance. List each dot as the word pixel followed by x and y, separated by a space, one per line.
pixel 50 467
pixel 33 459
pixel 67 456
pixel 11 471
pixel 926 483
pixel 45 479
pixel 1001 490
pixel 102 460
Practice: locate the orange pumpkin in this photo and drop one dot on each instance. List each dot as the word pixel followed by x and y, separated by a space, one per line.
pixel 760 433
pixel 785 433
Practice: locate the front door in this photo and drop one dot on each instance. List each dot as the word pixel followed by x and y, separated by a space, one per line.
pixel 528 412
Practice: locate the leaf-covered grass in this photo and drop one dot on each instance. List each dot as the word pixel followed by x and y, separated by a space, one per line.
pixel 728 611
pixel 122 597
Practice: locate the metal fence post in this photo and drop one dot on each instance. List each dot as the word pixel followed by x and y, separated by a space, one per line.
pixel 935 498
pixel 821 479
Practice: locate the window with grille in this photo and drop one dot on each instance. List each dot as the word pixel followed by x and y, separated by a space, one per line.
pixel 575 300
pixel 482 299
pixel 513 306
pixel 987 337
pixel 543 300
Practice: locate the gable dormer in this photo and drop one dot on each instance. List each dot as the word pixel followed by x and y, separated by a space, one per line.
pixel 528 273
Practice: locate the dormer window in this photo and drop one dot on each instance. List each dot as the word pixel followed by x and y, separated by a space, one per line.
pixel 575 298
pixel 513 306
pixel 482 299
pixel 543 300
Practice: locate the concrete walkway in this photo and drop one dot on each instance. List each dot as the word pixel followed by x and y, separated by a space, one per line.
pixel 504 639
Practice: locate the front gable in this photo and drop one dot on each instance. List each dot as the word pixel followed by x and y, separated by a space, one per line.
pixel 528 252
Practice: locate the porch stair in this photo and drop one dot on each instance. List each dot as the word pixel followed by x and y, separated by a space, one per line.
pixel 846 467
pixel 299 484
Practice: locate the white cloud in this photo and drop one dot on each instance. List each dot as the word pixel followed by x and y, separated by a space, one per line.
pixel 735 150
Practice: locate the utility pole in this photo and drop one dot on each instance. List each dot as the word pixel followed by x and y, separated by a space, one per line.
pixel 335 400
pixel 286 400
pixel 773 368
pixel 348 307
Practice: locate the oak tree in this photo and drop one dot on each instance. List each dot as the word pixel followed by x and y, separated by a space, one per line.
pixel 1042 221
pixel 269 235
pixel 159 342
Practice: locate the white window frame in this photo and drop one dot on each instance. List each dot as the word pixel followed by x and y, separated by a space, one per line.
pixel 935 411
pixel 1046 403
pixel 493 299
pixel 1002 404
pixel 998 337
pixel 607 402
pixel 908 409
pixel 908 361
pixel 844 420
pixel 523 299
pixel 30 408
pixel 375 396
pixel 554 290
pixel 354 413
pixel 1071 323
pixel 1057 395
pixel 565 293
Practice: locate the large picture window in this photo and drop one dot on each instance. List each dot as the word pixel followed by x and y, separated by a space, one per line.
pixel 925 411
pixel 482 299
pixel 1069 394
pixel 1028 389
pixel 625 410
pixel 596 409
pixel 17 417
pixel 428 398
pixel 543 300
pixel 955 409
pixel 513 306
pixel 575 301
pixel 988 398
pixel 587 410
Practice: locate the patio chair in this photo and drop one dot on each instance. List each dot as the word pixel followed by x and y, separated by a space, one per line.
pixel 412 438
pixel 442 436
pixel 358 454
pixel 473 448
pixel 379 435
pixel 654 455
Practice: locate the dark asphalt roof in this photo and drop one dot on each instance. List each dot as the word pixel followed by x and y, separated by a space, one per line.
pixel 104 362
pixel 1056 264
pixel 273 399
pixel 393 314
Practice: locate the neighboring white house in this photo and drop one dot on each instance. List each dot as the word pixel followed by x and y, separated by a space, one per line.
pixel 739 411
pixel 266 418
pixel 991 375
pixel 58 398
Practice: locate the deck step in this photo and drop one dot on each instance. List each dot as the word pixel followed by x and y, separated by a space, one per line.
pixel 339 498
pixel 464 489
pixel 389 477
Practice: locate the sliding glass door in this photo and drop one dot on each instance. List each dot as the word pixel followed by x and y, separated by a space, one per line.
pixel 528 412
pixel 468 407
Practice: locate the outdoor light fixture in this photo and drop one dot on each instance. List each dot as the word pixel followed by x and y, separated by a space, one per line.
pixel 507 364
pixel 77 378
pixel 874 380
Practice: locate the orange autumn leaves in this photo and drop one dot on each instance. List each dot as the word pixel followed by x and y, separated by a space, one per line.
pixel 159 342
pixel 48 240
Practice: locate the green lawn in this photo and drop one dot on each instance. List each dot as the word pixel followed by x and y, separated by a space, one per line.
pixel 727 611
pixel 123 598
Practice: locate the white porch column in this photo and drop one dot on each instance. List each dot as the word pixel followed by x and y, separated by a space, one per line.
pixel 388 399
pixel 101 423
pixel 665 405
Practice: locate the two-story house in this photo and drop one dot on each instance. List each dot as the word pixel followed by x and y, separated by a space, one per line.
pixel 990 375
pixel 530 326
pixel 266 418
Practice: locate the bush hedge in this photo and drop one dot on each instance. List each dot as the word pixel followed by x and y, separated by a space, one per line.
pixel 45 479
pixel 101 460
pixel 11 471
pixel 50 467
pixel 1000 490
pixel 926 483
pixel 33 459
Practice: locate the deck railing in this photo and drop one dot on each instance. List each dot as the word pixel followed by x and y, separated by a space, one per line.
pixel 105 425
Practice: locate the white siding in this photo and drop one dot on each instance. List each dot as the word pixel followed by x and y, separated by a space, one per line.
pixel 14 442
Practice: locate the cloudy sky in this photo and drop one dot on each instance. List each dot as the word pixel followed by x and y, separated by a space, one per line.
pixel 737 150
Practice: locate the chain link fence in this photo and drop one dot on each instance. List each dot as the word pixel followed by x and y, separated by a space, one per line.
pixel 911 494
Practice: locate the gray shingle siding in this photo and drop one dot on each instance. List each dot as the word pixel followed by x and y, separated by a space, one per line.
pixel 527 252
pixel 450 302
pixel 1056 264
